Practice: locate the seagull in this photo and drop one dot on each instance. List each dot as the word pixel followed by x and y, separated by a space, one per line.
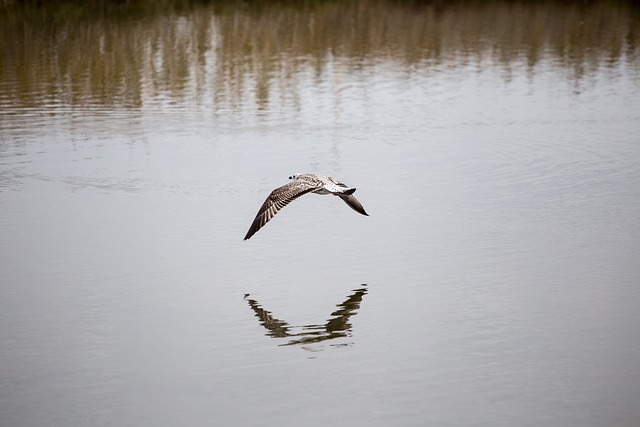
pixel 302 184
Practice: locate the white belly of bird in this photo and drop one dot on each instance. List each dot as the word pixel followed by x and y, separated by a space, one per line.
pixel 329 188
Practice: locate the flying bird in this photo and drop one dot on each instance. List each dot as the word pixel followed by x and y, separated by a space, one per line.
pixel 302 184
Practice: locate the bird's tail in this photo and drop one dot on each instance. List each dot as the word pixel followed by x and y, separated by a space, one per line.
pixel 349 191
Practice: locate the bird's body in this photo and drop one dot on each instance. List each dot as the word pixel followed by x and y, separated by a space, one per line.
pixel 302 184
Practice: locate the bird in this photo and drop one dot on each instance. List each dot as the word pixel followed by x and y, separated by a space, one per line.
pixel 302 184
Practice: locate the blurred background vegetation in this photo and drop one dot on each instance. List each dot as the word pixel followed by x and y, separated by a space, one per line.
pixel 116 51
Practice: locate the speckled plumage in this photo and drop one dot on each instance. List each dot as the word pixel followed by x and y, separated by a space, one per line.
pixel 302 184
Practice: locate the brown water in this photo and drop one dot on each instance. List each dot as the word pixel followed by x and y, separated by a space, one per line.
pixel 495 146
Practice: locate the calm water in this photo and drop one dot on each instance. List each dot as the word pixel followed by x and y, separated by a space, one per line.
pixel 496 281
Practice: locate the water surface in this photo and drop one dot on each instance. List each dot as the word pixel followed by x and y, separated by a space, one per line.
pixel 494 145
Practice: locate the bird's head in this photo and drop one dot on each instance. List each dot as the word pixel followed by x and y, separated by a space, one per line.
pixel 295 176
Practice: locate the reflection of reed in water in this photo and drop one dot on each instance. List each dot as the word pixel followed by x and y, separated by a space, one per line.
pixel 237 54
pixel 337 326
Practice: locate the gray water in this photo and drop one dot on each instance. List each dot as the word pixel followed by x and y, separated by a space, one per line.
pixel 495 282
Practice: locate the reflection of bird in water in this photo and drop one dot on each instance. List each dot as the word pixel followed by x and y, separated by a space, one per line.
pixel 337 325
pixel 302 184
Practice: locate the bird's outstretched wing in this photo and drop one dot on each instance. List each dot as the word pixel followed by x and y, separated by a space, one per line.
pixel 353 203
pixel 278 199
